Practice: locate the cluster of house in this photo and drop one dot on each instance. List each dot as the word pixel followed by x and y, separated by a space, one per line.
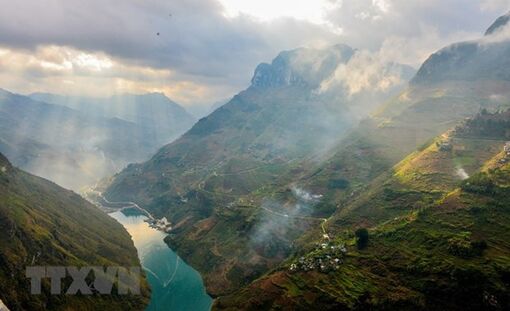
pixel 160 224
pixel 506 150
pixel 326 257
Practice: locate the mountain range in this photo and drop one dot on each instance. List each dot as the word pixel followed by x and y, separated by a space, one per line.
pixel 286 169
pixel 251 144
pixel 334 181
pixel 77 141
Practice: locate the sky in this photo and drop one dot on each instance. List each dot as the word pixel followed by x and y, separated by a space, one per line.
pixel 200 52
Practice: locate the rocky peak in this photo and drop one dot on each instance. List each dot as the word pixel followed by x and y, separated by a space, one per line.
pixel 303 67
pixel 498 25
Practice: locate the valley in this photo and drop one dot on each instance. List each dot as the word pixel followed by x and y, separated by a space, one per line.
pixel 367 175
pixel 260 220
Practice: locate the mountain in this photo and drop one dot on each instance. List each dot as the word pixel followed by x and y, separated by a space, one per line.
pixel 296 108
pixel 244 214
pixel 45 225
pixel 467 61
pixel 162 119
pixel 203 110
pixel 401 174
pixel 483 59
pixel 75 148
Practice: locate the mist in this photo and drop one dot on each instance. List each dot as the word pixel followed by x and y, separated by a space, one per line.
pixel 79 141
pixel 280 222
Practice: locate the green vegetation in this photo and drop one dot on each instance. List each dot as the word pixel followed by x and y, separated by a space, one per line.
pixel 436 241
pixel 480 183
pixel 338 184
pixel 44 224
pixel 486 125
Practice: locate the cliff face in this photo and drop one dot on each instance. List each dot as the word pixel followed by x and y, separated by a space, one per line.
pixel 301 67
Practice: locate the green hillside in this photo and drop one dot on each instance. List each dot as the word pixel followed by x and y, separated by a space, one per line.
pixel 45 225
pixel 436 241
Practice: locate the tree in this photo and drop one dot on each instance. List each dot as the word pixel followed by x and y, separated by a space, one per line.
pixel 361 238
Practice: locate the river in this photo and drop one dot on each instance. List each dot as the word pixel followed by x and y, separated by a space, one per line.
pixel 175 285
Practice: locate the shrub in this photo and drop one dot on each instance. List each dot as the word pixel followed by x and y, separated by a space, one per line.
pixel 463 248
pixel 338 184
pixel 480 183
pixel 361 238
pixel 459 247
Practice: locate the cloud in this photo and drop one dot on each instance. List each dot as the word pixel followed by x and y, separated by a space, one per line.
pixel 278 224
pixel 202 54
pixel 366 71
pixel 429 24
pixel 194 35
pixel 495 5
pixel 70 71
pixel 196 41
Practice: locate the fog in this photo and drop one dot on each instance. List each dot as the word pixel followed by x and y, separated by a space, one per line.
pixel 77 147
pixel 280 222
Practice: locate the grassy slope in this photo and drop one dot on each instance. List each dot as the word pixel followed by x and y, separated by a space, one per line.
pixel 419 256
pixel 44 224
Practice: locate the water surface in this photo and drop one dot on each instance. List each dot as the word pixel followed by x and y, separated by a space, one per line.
pixel 175 285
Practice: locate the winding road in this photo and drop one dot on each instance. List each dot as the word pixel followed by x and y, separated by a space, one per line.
pixel 125 205
pixel 322 220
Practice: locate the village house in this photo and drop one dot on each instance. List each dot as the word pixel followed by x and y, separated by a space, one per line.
pixel 327 257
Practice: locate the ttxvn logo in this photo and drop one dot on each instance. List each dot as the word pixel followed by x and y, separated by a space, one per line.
pixel 85 280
